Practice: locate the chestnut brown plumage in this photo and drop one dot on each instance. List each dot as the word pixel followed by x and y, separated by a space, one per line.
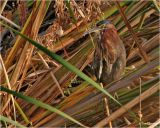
pixel 110 56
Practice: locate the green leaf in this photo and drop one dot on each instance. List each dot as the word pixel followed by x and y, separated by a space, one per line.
pixel 156 5
pixel 5 119
pixel 71 11
pixel 41 104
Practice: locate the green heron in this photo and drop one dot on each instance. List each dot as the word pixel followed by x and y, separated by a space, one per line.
pixel 109 56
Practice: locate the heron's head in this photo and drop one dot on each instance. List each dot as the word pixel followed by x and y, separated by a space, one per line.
pixel 101 25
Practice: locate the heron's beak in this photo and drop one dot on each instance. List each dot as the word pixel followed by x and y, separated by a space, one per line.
pixel 95 29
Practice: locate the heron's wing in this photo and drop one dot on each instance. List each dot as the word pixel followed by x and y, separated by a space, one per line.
pixel 107 62
pixel 98 63
pixel 109 44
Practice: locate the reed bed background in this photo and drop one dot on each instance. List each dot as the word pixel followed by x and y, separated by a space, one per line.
pixel 45 56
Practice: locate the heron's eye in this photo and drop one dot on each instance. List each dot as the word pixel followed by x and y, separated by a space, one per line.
pixel 103 22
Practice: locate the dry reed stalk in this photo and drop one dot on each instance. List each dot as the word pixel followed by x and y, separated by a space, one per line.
pixel 107 108
pixel 129 105
pixel 52 75
pixel 142 52
pixel 9 86
pixel 150 44
pixel 137 20
pixel 156 123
